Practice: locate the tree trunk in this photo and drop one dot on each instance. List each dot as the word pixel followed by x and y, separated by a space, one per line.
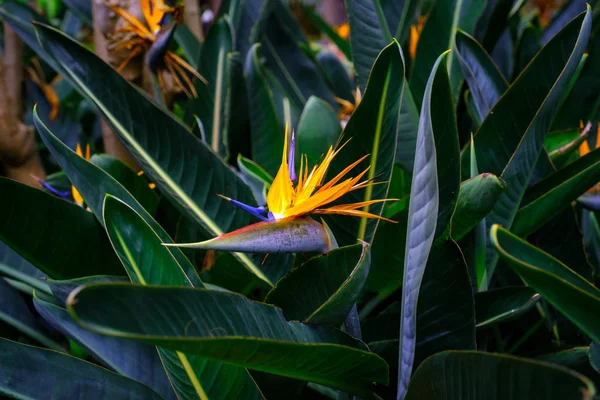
pixel 104 21
pixel 18 149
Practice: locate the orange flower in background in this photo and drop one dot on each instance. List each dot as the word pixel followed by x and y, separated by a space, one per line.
pixel 88 155
pixel 38 77
pixel 346 107
pixel 584 149
pixel 415 33
pixel 343 30
pixel 153 38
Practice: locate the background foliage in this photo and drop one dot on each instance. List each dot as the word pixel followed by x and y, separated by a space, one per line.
pixel 483 286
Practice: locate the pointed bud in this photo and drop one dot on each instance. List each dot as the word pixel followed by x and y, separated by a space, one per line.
pixel 290 235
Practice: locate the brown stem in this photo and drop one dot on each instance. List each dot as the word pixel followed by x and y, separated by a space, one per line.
pixel 18 149
pixel 104 22
pixel 192 18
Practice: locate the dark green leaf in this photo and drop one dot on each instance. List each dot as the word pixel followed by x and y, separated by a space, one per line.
pixel 134 360
pixel 318 129
pixel 437 36
pixel 153 136
pixel 483 77
pixel 149 263
pixel 229 327
pixel 400 15
pixel 373 129
pixel 576 298
pixel 476 198
pixel 30 372
pixel 282 40
pixel 508 143
pixel 209 106
pixel 553 194
pixel 341 275
pixel 474 375
pixel 267 136
pixel 82 8
pixel 499 305
pixel 387 256
pixel 445 315
pixel 59 237
pixel 93 185
pixel 370 35
pixel 422 223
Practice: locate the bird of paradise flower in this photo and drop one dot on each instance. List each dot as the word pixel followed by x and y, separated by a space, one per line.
pixel 289 206
pixel 153 39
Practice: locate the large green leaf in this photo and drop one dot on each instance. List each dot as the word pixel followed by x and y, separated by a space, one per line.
pixel 16 267
pixel 229 327
pixel 370 34
pixel 282 43
pixel 437 36
pixel 481 73
pixel 341 275
pixel 580 359
pixel 318 129
pixel 498 305
pixel 571 294
pixel 421 229
pixel 138 361
pixel 473 375
pixel 209 106
pixel 136 185
pixel 476 199
pixel 373 129
pixel 550 196
pixel 59 237
pixel 267 135
pixel 445 315
pixel 442 120
pixel 93 184
pixel 193 178
pixel 30 372
pixel 149 263
pixel 509 142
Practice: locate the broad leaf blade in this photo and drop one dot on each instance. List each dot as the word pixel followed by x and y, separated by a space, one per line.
pixel 473 375
pixel 550 196
pixel 370 34
pixel 373 129
pixel 209 106
pixel 483 77
pixel 149 263
pixel 28 371
pixel 499 305
pixel 93 183
pixel 267 135
pixel 59 237
pixel 341 274
pixel 229 327
pixel 422 223
pixel 138 361
pixel 571 294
